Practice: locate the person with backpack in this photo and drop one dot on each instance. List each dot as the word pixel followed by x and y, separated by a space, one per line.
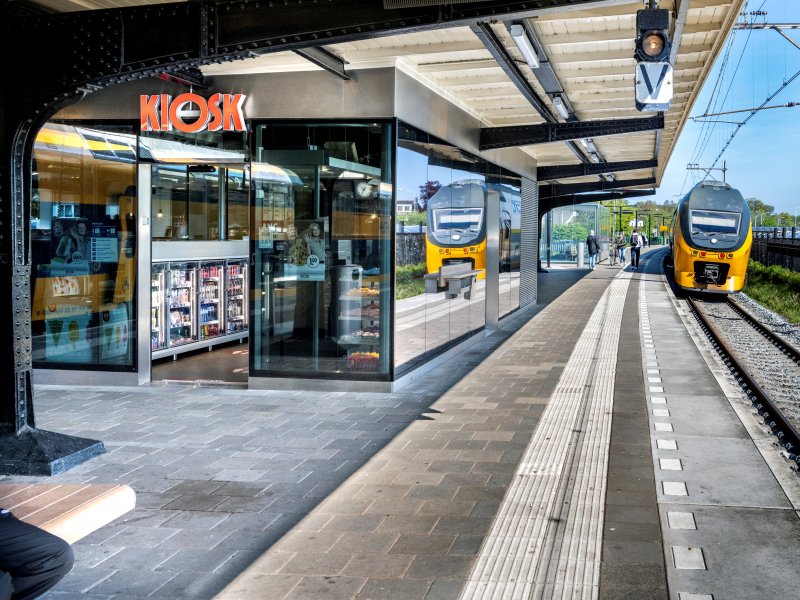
pixel 593 246
pixel 636 248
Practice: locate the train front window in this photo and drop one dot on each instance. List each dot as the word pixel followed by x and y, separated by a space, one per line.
pixel 458 219
pixel 456 212
pixel 714 223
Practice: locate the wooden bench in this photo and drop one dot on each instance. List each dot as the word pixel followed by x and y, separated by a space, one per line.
pixel 452 278
pixel 70 511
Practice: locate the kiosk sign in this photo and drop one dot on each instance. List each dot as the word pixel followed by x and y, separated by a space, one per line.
pixel 220 112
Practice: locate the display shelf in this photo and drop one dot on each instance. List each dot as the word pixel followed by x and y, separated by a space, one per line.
pixel 359 333
pixel 235 302
pixel 200 304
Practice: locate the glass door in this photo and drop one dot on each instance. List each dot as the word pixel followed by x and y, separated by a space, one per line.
pixel 321 236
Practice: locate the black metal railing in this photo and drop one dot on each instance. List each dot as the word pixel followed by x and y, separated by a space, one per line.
pixel 777 246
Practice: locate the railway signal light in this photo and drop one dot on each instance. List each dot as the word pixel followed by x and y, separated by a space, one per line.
pixel 653 71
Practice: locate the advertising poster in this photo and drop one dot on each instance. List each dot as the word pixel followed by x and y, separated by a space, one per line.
pixel 68 333
pixel 70 247
pixel 305 256
pixel 114 333
pixel 104 244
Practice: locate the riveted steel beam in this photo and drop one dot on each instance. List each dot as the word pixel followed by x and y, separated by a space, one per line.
pixel 322 57
pixel 548 204
pixel 525 135
pixel 549 190
pixel 583 170
pixel 496 48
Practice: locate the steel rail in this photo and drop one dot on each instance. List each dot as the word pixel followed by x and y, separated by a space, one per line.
pixel 788 436
pixel 784 346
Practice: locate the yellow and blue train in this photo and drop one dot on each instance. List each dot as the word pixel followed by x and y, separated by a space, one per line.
pixel 456 228
pixel 710 239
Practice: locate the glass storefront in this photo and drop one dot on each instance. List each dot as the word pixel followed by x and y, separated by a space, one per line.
pixel 345 279
pixel 441 204
pixel 322 224
pixel 84 249
pixel 570 225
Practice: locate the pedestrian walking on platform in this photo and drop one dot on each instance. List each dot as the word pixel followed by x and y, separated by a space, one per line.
pixel 621 243
pixel 31 559
pixel 593 246
pixel 636 248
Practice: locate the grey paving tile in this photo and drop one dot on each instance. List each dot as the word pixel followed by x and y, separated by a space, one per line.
pixel 195 502
pixel 423 544
pixel 443 589
pixel 315 563
pixel 393 589
pixel 131 583
pixel 441 567
pixel 134 558
pixel 279 587
pixel 326 588
pixel 195 560
pixel 382 566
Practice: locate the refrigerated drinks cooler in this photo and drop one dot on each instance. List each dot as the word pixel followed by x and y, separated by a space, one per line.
pixel 197 304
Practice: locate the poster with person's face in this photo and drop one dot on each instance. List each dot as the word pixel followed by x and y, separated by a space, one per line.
pixel 70 244
pixel 305 254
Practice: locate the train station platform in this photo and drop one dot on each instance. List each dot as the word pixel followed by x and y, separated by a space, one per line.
pixel 593 447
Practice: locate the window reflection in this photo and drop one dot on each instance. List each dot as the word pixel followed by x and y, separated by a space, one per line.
pixel 569 227
pixel 323 242
pixel 83 246
pixel 441 210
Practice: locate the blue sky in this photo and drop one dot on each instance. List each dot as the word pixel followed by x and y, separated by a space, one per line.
pixel 764 158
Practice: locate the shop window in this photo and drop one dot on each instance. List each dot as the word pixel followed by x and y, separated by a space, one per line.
pixel 323 227
pixel 199 202
pixel 83 247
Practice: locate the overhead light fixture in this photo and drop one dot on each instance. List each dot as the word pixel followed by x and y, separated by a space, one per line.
pixel 610 177
pixel 558 102
pixel 594 158
pixel 588 145
pixel 524 44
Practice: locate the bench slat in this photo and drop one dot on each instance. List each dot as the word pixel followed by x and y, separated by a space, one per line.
pixel 68 511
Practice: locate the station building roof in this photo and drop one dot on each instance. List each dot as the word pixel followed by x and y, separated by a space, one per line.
pixel 587 50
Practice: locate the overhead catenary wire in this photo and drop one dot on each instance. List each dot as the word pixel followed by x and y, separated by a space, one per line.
pixel 717 99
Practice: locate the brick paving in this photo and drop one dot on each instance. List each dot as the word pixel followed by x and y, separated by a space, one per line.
pixel 259 494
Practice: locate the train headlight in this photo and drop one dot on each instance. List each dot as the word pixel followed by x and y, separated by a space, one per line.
pixel 730 254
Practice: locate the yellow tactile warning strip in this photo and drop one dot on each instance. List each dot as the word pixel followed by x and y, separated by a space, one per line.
pixel 546 538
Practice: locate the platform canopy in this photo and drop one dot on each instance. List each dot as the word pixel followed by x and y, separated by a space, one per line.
pixel 587 65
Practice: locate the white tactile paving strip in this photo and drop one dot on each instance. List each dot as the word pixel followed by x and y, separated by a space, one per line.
pixel 535 549
pixel 683 557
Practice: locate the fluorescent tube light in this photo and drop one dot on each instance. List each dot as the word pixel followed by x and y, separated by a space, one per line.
pixel 523 42
pixel 561 107
pixel 588 145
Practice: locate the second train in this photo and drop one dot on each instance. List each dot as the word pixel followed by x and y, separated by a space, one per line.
pixel 710 239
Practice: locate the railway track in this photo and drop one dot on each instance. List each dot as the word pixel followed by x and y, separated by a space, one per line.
pixel 765 365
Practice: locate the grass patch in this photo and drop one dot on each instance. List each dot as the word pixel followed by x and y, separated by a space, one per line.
pixel 409 281
pixel 776 288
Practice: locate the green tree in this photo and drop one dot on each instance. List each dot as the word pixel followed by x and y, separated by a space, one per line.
pixel 571 231
pixel 412 218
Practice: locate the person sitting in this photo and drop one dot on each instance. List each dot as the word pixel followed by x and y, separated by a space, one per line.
pixel 31 560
